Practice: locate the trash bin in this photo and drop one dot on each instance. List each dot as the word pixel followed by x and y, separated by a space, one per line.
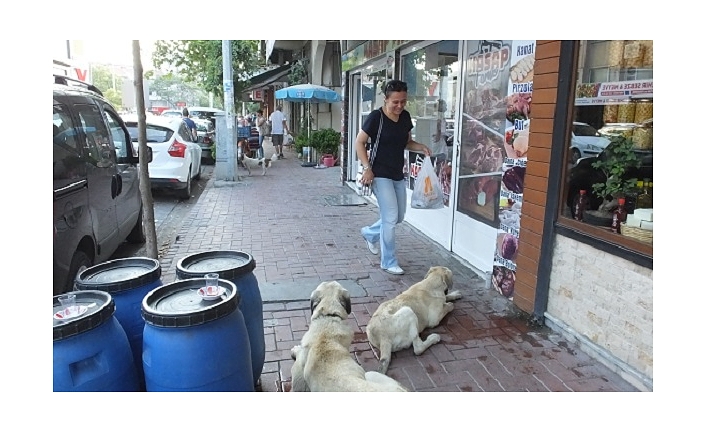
pixel 235 266
pixel 91 349
pixel 192 344
pixel 128 281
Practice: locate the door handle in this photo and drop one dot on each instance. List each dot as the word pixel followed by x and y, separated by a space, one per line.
pixel 116 186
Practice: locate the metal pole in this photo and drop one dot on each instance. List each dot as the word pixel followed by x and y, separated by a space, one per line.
pixel 229 169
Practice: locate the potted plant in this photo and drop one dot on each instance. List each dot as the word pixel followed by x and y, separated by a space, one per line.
pixel 326 142
pixel 301 141
pixel 617 162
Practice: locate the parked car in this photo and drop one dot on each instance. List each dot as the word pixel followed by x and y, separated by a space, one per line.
pixel 586 142
pixel 171 113
pixel 97 202
pixel 176 158
pixel 205 113
pixel 206 132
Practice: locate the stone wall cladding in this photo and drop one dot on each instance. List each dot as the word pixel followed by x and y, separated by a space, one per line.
pixel 606 299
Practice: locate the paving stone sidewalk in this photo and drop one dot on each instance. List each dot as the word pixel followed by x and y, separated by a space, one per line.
pixel 287 222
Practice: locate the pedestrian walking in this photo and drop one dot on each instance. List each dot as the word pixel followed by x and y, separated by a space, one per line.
pixel 279 126
pixel 260 123
pixel 189 124
pixel 391 127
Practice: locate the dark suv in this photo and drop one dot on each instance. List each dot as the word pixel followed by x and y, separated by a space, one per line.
pixel 97 203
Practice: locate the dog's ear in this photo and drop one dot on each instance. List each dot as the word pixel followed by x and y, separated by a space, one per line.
pixel 315 300
pixel 345 299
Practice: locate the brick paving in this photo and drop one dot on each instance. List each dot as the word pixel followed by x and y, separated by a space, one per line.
pixel 283 221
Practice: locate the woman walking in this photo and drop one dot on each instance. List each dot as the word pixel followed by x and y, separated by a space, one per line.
pixel 383 170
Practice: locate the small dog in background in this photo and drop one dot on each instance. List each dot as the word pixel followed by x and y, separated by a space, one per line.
pixel 250 163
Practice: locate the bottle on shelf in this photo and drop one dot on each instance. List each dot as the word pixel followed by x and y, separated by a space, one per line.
pixel 580 205
pixel 644 199
pixel 619 216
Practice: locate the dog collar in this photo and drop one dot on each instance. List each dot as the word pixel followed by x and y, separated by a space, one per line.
pixel 333 315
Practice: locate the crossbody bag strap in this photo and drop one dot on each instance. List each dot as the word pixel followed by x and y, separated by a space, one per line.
pixel 374 150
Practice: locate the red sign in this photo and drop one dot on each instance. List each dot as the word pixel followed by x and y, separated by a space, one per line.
pixel 257 95
pixel 81 74
pixel 180 104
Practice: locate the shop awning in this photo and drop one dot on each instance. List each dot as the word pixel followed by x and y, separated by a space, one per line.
pixel 266 78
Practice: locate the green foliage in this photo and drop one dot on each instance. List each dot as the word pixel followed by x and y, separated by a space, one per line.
pixel 620 156
pixel 173 88
pixel 299 73
pixel 301 141
pixel 103 78
pixel 326 141
pixel 115 98
pixel 201 62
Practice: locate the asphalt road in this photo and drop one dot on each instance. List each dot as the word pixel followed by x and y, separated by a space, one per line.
pixel 169 213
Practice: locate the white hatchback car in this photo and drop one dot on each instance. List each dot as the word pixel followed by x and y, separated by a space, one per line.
pixel 176 160
pixel 586 142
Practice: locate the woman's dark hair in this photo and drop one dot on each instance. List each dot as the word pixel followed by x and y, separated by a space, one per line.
pixel 259 111
pixel 394 85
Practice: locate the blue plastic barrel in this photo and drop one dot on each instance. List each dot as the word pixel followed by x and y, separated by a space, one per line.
pixel 191 344
pixel 235 266
pixel 128 281
pixel 91 350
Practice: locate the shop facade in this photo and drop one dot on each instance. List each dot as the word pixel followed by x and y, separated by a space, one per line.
pixel 503 118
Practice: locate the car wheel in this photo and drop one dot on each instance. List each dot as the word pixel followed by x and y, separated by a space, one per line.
pixel 137 234
pixel 575 155
pixel 79 262
pixel 185 193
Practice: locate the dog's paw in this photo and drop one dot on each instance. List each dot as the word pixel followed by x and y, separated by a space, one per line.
pixel 433 339
pixel 453 296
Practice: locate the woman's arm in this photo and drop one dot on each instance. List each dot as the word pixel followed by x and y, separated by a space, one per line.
pixel 362 153
pixel 416 146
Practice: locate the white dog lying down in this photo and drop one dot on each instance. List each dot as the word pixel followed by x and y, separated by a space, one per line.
pixel 397 323
pixel 323 362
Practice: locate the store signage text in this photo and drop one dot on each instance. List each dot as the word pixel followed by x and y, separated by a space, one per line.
pixel 515 162
pixel 510 230
pixel 525 50
pixel 505 262
pixel 511 195
pixel 525 87
pixel 488 65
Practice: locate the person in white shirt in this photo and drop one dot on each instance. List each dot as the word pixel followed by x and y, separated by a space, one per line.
pixel 279 126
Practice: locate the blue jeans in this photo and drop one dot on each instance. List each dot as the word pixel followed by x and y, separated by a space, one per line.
pixel 261 150
pixel 392 202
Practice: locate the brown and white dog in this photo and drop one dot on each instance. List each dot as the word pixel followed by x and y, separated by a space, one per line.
pixel 397 323
pixel 323 362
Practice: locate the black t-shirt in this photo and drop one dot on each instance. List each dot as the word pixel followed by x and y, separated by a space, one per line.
pixel 389 159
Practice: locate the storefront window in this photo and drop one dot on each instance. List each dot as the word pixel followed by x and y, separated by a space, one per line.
pixel 610 147
pixel 431 74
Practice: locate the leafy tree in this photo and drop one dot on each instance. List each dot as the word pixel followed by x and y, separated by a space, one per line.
pixel 201 62
pixel 173 88
pixel 103 78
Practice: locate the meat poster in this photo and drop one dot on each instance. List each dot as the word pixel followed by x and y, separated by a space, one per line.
pixel 516 145
pixel 483 126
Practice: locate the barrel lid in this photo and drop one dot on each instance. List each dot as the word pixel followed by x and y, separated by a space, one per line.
pixel 229 264
pixel 178 304
pixel 119 274
pixel 93 307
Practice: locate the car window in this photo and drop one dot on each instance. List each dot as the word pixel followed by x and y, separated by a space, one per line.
pixel 120 137
pixel 155 134
pixel 584 130
pixel 184 132
pixel 67 153
pixel 97 144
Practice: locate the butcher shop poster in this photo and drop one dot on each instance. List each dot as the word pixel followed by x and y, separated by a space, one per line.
pixel 517 123
pixel 483 126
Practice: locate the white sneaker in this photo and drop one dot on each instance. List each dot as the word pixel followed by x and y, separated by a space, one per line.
pixel 374 248
pixel 394 270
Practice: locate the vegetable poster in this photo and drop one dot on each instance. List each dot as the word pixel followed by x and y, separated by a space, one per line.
pixel 516 143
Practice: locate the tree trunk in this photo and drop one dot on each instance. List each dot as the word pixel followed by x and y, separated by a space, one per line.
pixel 145 187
